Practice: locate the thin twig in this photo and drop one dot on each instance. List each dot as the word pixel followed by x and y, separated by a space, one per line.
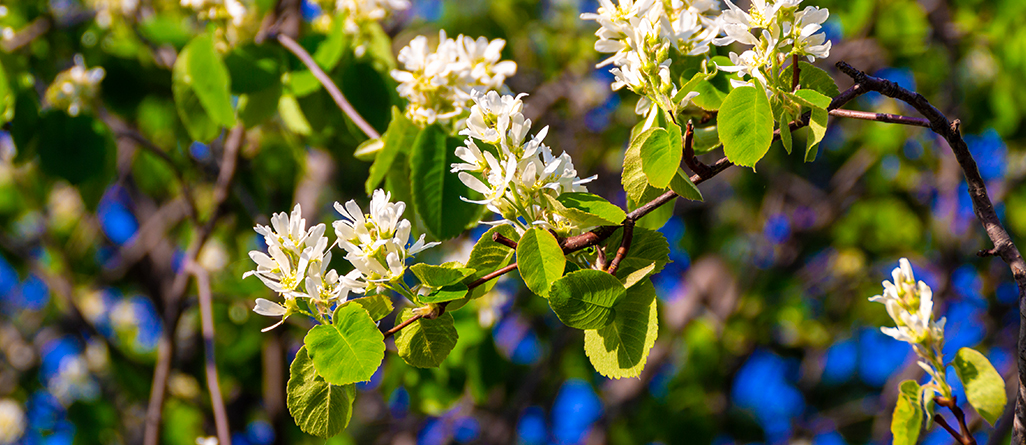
pixel 882 117
pixel 982 206
pixel 329 85
pixel 210 363
pixel 963 436
pixel 501 239
pixel 625 246
pixel 172 300
pixel 696 166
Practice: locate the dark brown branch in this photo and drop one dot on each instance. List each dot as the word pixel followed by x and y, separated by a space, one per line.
pixel 173 297
pixel 795 72
pixel 982 206
pixel 963 436
pixel 501 239
pixel 625 245
pixel 329 85
pixel 696 166
pixel 209 361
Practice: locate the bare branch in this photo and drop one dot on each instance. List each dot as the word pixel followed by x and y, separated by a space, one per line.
pixel 625 245
pixel 210 364
pixel 329 85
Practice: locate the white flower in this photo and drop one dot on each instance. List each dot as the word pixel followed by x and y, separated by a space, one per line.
pixel 375 243
pixel 291 249
pixel 513 177
pixel 270 309
pixel 439 84
pixel 910 305
pixel 12 421
pixel 807 42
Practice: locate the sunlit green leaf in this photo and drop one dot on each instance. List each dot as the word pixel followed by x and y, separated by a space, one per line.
pixel 984 387
pixel 584 299
pixel 352 338
pixel 399 137
pixel 907 419
pixel 425 343
pixel 745 125
pixel 620 350
pixel 540 260
pixel 319 408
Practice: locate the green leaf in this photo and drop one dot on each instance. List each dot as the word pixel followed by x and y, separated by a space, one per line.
pixel 446 293
pixel 489 256
pixel 984 387
pixel 579 209
pixel 436 190
pixel 258 106
pixel 6 98
pixel 584 299
pixel 785 130
pixel 745 125
pixel 292 115
pixel 810 78
pixel 634 181
pixel 593 205
pixel 438 276
pixel 620 350
pixel 649 253
pixel 74 148
pixel 319 408
pixel 818 121
pixel 705 140
pixel 426 342
pixel 907 419
pixel 194 116
pixel 252 68
pixel 682 185
pixel 400 136
pixel 378 306
pixel 660 156
pixel 206 75
pixel 691 85
pixel 540 260
pixel 352 339
pixel 710 98
pixel 368 150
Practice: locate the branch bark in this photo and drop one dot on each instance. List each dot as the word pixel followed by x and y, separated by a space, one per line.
pixel 982 207
pixel 210 363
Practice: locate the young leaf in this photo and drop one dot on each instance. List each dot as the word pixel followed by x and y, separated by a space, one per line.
pixel 660 156
pixel 710 98
pixel 292 115
pixel 378 306
pixel 352 338
pixel 818 121
pixel 319 408
pixel 907 419
pixel 400 136
pixel 706 139
pixel 635 183
pixel 438 276
pixel 584 299
pixel 785 130
pixel 593 205
pixel 681 184
pixel 745 125
pixel 489 256
pixel 984 387
pixel 426 342
pixel 436 190
pixel 205 74
pixel 540 260
pixel 648 254
pixel 621 349
pixel 446 293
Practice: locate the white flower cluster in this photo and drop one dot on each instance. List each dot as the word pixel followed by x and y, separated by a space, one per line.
pixel 776 30
pixel 356 14
pixel 640 34
pixel 438 83
pixel 511 172
pixel 73 89
pixel 231 10
pixel 296 265
pixel 910 305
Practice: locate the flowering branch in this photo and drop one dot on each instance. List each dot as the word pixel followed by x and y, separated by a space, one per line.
pixel 330 86
pixel 982 206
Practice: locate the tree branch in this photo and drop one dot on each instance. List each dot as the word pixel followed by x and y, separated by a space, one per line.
pixel 882 117
pixel 210 363
pixel 625 245
pixel 173 297
pixel 982 206
pixel 329 85
pixel 963 436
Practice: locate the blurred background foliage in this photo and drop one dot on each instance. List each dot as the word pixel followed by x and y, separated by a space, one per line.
pixel 766 334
